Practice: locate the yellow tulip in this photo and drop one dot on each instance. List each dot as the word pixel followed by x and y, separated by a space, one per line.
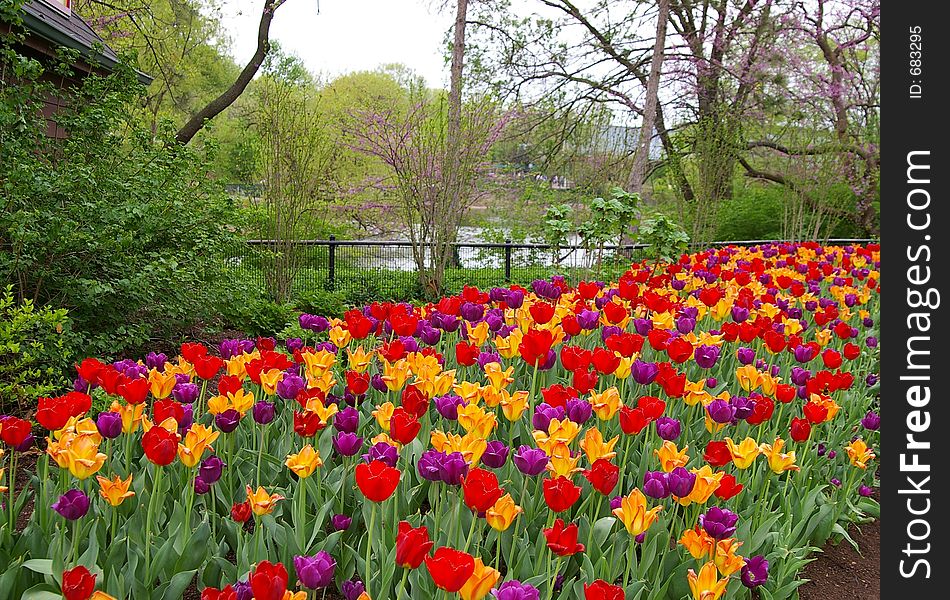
pixel 514 405
pixel 744 453
pixel 161 383
pixel 697 542
pixel 706 484
pixel 56 449
pixel 727 560
pixel 625 366
pixel 502 514
pixel 3 488
pixel 241 400
pixel 695 392
pixel 83 456
pixel 359 360
pixel 594 446
pixel 299 595
pixel 634 514
pixel 261 502
pixel 859 454
pixel 270 379
pixel 470 391
pixel 197 439
pixel 748 377
pixel 507 347
pixel 606 403
pixel 100 595
pixel 559 431
pixel 218 404
pixel 671 457
pixel 478 334
pixel 305 462
pixel 116 490
pixel 706 585
pixel 471 445
pixel 395 374
pixel 383 413
pixel 481 582
pixel 474 418
pixel 778 461
pixel 498 378
pixel 318 363
pixel 561 462
pixel 339 336
pixel 491 396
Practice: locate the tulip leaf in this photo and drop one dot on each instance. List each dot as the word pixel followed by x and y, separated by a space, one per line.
pixel 176 587
pixel 42 591
pixel 602 530
pixel 43 566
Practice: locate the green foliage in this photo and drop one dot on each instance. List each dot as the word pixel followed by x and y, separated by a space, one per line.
pixel 557 224
pixel 753 213
pixel 118 225
pixel 36 350
pixel 666 238
pixel 610 217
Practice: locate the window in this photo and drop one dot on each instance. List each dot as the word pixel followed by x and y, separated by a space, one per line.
pixel 63 5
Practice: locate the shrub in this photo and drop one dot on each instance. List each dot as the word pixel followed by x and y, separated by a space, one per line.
pixel 121 226
pixel 36 349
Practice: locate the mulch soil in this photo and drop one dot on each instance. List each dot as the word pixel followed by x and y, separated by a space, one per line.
pixel 841 573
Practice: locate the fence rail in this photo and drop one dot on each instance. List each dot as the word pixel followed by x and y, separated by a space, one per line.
pixel 386 269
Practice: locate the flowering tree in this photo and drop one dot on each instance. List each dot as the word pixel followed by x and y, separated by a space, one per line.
pixel 414 145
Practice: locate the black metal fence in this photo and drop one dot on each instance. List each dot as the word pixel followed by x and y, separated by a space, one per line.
pixel 387 270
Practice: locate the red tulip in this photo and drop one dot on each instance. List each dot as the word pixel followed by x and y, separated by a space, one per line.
pixel 450 568
pixel 192 351
pixel 393 351
pixel 710 296
pixel 601 590
pixel 605 361
pixel 357 383
pixel 241 511
pixel 415 401
pixel 728 487
pixel 208 366
pixel 412 545
pixel 89 369
pixel 466 354
pixel 77 403
pixel 652 407
pixel 603 476
pixel 679 350
pixel 563 540
pixel 13 431
pixel 269 581
pixel 110 379
pixel 588 289
pixel 535 345
pixel 800 429
pixel 403 427
pixel 717 454
pixel 163 409
pixel 228 384
pixel 377 480
pixel 570 325
pixel 541 312
pixel 584 381
pixel 160 445
pixel 785 393
pixel 227 593
pixel 307 424
pixel 480 490
pixel 357 324
pixel 558 394
pixel 575 357
pixel 78 583
pixel 560 493
pixel 815 413
pixel 831 358
pixel 52 413
pixel 762 412
pixel 633 420
pixel 134 391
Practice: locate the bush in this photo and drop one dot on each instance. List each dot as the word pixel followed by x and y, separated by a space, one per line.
pixel 753 213
pixel 122 227
pixel 36 351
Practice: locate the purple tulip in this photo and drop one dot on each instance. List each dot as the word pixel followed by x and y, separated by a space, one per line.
pixel 471 311
pixel 72 505
pixel 485 358
pixel 186 393
pixel 156 360
pixel 544 413
pixel 668 428
pixel 347 444
pixel 616 502
pixel 744 407
pixel 514 299
pixel 429 465
pixel 719 523
pixel 711 382
pixel 448 406
pixel 210 469
pixel 352 589
pixel 745 355
pixel 721 411
pixel 263 412
pixel 109 424
pixel 495 455
pixel 755 571
pixel 643 372
pixel 530 461
pixel 681 482
pixel 588 319
pixel 347 420
pixel 685 325
pixel 871 421
pixel 291 385
pixel 515 590
pixel 383 452
pixel 865 491
pixel 578 411
pixel 201 486
pixel 341 522
pixel 656 484
pixel 315 572
pixel 453 469
pixel 228 420
pixel 706 356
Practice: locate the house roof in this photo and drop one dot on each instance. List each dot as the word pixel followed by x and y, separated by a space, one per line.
pixel 68 29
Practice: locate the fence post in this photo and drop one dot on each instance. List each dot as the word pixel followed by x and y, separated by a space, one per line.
pixel 331 263
pixel 507 261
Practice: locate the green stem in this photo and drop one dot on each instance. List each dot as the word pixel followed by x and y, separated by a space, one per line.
pixel 471 532
pixel 402 584
pixel 302 512
pixel 260 452
pixel 630 551
pixel 369 546
pixel 75 553
pixel 149 516
pixel 12 490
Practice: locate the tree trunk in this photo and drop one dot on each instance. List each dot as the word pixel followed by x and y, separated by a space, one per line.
pixel 227 98
pixel 642 155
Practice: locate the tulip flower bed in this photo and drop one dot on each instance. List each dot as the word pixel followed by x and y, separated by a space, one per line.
pixel 692 430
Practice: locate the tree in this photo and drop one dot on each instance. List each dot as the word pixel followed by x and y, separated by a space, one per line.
pixel 651 104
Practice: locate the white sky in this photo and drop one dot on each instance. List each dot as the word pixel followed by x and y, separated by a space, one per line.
pixel 348 35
